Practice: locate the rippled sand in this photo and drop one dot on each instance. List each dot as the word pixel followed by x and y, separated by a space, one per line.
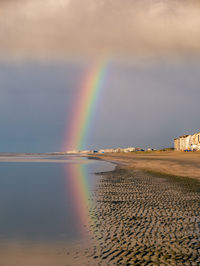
pixel 144 219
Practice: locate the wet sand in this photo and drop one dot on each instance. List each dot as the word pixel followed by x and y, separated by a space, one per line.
pixel 137 218
pixel 145 219
pixel 43 254
pixel 140 215
pixel 147 211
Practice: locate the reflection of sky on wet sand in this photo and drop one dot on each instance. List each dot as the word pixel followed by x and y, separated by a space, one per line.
pixel 80 190
pixel 13 254
pixel 45 205
pixel 33 203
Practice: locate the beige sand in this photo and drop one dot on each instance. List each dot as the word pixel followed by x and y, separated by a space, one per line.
pixel 175 163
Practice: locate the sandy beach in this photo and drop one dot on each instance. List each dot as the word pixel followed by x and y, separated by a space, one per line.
pixel 169 162
pixel 145 212
pixel 147 217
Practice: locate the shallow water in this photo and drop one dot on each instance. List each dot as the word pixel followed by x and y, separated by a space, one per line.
pixel 46 202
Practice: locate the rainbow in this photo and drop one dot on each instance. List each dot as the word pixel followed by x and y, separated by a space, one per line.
pixel 85 106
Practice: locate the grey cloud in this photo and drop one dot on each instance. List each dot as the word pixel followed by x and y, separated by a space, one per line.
pixel 50 28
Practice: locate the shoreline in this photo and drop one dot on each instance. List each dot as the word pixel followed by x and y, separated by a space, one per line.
pixel 137 217
pixel 170 163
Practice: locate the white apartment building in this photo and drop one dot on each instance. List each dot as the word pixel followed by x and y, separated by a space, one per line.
pixel 187 142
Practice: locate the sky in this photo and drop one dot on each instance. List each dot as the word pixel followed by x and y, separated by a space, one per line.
pixel 58 28
pixel 150 95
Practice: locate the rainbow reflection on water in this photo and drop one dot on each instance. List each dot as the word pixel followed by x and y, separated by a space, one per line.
pixel 81 189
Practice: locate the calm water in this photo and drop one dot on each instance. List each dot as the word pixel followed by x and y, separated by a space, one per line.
pixel 46 202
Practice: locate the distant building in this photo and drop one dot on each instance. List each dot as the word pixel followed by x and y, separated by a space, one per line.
pixel 129 149
pixel 72 151
pixel 85 151
pixel 150 149
pixel 187 142
pixel 176 144
pixel 138 149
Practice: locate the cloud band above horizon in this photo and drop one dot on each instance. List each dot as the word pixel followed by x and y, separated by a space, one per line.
pixel 63 28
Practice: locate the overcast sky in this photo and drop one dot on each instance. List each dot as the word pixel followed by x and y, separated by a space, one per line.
pixel 140 105
pixel 150 95
pixel 52 28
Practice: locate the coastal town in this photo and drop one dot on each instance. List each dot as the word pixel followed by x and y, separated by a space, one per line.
pixel 182 143
pixel 115 150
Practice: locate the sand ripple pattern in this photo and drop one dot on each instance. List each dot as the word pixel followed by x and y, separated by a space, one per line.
pixel 145 219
